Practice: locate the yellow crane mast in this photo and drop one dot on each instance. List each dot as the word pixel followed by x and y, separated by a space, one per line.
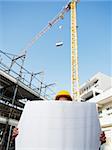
pixel 74 53
pixel 74 50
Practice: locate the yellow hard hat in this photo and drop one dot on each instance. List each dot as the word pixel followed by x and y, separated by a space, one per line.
pixel 63 93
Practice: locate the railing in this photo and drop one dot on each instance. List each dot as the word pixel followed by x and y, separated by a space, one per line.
pixel 13 65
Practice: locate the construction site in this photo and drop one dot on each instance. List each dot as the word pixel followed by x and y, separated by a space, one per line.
pixel 19 85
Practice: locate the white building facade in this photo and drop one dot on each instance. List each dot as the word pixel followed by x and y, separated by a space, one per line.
pixel 99 90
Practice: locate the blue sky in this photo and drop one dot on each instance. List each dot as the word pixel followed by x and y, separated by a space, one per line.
pixel 21 20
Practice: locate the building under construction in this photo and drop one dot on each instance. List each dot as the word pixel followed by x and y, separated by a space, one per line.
pixel 16 87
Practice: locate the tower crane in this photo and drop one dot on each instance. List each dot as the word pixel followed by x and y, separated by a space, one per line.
pixel 74 50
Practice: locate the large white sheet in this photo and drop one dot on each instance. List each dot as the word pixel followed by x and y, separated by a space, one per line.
pixel 58 125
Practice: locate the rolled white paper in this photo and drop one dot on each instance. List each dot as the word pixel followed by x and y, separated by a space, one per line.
pixel 58 125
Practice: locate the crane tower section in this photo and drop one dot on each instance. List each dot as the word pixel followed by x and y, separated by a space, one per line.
pixel 74 53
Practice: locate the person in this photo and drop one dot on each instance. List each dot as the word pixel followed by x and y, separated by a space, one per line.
pixel 62 96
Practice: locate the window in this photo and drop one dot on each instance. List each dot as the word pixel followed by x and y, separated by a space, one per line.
pixel 100 112
pixel 96 93
pixel 95 81
pixel 109 107
pixel 110 113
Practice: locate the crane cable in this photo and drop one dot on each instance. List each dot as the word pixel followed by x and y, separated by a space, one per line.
pixel 48 26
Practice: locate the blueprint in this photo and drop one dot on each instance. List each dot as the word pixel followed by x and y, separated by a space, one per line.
pixel 58 125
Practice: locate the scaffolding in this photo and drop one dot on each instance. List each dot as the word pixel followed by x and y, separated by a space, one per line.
pixel 17 85
pixel 13 66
